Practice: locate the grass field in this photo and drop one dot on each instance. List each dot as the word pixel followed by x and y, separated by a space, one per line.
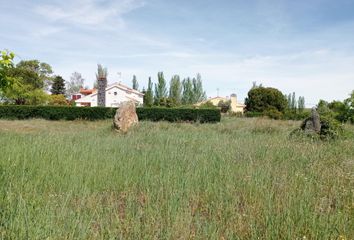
pixel 239 179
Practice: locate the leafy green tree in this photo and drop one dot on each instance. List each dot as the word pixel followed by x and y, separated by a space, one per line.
pixel 57 100
pixel 6 63
pixel 175 90
pixel 58 86
pixel 28 85
pixel 188 95
pixel 160 88
pixel 261 99
pixel 349 102
pixel 135 83
pixel 74 84
pixel 198 92
pixel 149 95
pixel 36 73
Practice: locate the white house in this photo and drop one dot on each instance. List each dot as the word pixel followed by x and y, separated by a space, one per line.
pixel 116 93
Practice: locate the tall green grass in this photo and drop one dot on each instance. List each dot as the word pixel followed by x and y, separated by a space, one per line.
pixel 239 179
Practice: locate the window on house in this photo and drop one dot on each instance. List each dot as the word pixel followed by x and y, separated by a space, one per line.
pixel 115 93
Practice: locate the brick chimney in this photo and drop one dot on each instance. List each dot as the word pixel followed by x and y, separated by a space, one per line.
pixel 101 92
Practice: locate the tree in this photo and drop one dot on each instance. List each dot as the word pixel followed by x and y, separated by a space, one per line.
pixel 58 86
pixel 175 90
pixel 135 83
pixel 293 102
pixel 187 97
pixel 6 62
pixel 76 82
pixel 261 99
pixel 28 82
pixel 36 73
pixel 301 104
pixel 57 100
pixel 289 100
pixel 160 88
pixel 198 92
pixel 149 95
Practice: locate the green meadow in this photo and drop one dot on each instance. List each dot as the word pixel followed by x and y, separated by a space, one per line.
pixel 238 179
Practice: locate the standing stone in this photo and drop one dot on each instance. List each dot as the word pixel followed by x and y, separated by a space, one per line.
pixel 125 117
pixel 313 123
pixel 101 92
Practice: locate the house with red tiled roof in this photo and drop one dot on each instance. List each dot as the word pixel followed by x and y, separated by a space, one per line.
pixel 116 93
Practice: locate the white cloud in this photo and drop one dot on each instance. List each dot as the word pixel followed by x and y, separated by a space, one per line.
pixel 88 12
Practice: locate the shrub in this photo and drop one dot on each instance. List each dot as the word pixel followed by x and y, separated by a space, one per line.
pixel 58 100
pixel 273 113
pixel 207 104
pixel 224 106
pixel 253 114
pixel 330 129
pixel 179 114
pixel 99 113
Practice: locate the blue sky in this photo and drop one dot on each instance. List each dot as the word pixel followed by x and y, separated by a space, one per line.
pixel 306 46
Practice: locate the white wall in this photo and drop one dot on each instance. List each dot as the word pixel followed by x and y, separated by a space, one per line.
pixel 112 99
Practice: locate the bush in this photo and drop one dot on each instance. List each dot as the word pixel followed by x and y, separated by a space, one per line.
pixel 273 113
pixel 99 113
pixel 58 100
pixel 179 114
pixel 330 129
pixel 224 106
pixel 253 114
pixel 290 115
pixel 207 104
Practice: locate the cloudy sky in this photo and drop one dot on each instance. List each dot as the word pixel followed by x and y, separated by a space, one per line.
pixel 306 46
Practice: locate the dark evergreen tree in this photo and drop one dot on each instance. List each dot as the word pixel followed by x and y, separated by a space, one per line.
pixel 58 86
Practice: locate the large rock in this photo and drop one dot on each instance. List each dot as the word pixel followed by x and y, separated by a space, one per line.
pixel 313 123
pixel 125 117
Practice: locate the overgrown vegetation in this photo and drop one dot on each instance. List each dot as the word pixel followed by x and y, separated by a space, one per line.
pixel 99 113
pixel 240 179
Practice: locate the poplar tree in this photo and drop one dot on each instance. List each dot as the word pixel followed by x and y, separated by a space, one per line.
pixel 175 93
pixel 198 92
pixel 149 95
pixel 301 104
pixel 187 97
pixel 160 88
pixel 293 102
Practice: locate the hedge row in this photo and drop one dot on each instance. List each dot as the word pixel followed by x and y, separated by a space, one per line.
pixel 99 113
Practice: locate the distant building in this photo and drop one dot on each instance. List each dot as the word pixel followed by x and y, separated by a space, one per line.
pixel 115 94
pixel 235 106
pixel 83 92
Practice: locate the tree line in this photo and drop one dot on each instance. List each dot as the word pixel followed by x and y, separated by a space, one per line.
pixel 179 92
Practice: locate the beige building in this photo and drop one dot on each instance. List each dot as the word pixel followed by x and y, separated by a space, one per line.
pixel 235 106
